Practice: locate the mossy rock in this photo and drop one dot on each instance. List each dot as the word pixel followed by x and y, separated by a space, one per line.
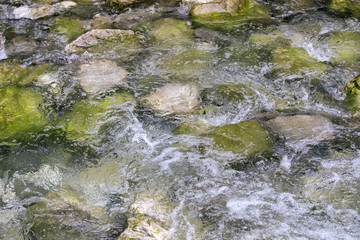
pixel 121 4
pixel 169 32
pixel 293 60
pixel 12 73
pixel 123 43
pixel 65 215
pixel 345 8
pixel 346 47
pixel 226 94
pixel 20 113
pixel 352 91
pixel 86 117
pixel 271 40
pixel 69 28
pixel 245 138
pixel 232 19
pixel 191 63
pixel 192 128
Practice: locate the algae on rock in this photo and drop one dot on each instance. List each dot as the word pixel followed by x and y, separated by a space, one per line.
pixel 346 47
pixel 170 32
pixel 244 138
pixel 294 60
pixel 68 27
pixel 352 91
pixel 20 113
pixel 84 120
pixel 345 7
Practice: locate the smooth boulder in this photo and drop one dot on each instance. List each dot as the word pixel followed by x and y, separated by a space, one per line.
pixel 100 76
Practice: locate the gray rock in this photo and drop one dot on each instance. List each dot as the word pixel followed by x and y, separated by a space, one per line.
pixel 100 76
pixel 2 47
pixel 302 127
pixel 20 45
pixel 174 98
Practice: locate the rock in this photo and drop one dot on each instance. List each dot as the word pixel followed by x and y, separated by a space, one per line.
pixel 20 45
pixel 20 113
pixel 170 32
pixel 100 76
pixel 346 47
pixel 191 63
pixel 332 188
pixel 103 40
pixel 102 22
pixel 285 8
pixel 245 138
pixel 173 98
pixel 65 215
pixel 226 94
pixel 302 127
pixel 121 4
pixel 69 28
pixel 12 73
pixel 2 47
pixel 192 128
pixel 352 91
pixel 290 61
pixel 84 120
pixel 227 15
pixel 150 217
pixel 41 11
pixel 270 41
pixel 345 7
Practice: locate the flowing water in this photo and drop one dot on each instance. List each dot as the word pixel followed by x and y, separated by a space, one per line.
pixel 268 199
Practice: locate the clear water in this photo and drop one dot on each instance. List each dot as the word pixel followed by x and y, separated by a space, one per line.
pixel 265 200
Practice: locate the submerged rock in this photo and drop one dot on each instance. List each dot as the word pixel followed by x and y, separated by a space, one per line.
pixel 106 40
pixel 294 61
pixel 352 91
pixel 270 41
pixel 245 138
pixel 102 22
pixel 20 113
pixel 302 127
pixel 345 7
pixel 41 11
pixel 2 47
pixel 150 217
pixel 65 215
pixel 346 47
pixel 170 32
pixel 22 46
pixel 84 120
pixel 100 76
pixel 173 98
pixel 121 4
pixel 191 63
pixel 69 28
pixel 12 73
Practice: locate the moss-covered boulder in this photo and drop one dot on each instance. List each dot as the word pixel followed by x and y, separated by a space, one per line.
pixel 120 42
pixel 191 63
pixel 245 138
pixel 66 215
pixel 227 94
pixel 173 98
pixel 345 7
pixel 295 61
pixel 150 217
pixel 228 15
pixel 195 128
pixel 121 4
pixel 69 28
pixel 12 73
pixel 84 120
pixel 345 47
pixel 170 32
pixel 20 113
pixel 352 91
pixel 270 40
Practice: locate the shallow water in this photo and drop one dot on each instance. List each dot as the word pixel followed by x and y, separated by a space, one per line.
pixel 268 199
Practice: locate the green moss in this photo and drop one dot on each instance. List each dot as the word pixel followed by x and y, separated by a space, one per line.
pixel 290 61
pixel 352 90
pixel 191 63
pixel 68 27
pixel 121 4
pixel 269 41
pixel 20 113
pixel 346 47
pixel 14 74
pixel 231 20
pixel 86 117
pixel 169 32
pixel 245 138
pixel 192 128
pixel 345 8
